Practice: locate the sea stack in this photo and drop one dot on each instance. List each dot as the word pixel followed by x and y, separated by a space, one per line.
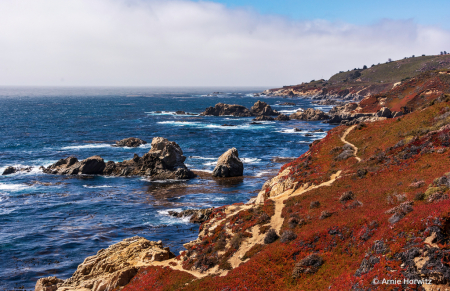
pixel 229 165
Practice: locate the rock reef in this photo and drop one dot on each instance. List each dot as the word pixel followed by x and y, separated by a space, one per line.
pixel 165 160
pixel 132 142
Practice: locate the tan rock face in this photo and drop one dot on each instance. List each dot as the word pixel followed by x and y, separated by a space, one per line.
pixel 275 186
pixel 110 268
pixel 229 165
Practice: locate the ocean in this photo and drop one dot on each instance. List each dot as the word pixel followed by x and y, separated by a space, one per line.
pixel 49 224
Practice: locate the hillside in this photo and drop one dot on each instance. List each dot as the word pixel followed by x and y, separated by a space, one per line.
pixel 367 207
pixel 359 83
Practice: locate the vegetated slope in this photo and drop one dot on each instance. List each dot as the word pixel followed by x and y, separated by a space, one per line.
pixel 359 83
pixel 384 217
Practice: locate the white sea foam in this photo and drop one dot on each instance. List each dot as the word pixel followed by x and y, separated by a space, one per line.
pixel 100 186
pixel 167 219
pixel 201 158
pixel 250 160
pixel 210 163
pixel 290 111
pixel 87 146
pixel 215 126
pixel 260 174
pixel 172 112
pixel 202 170
pixel 13 187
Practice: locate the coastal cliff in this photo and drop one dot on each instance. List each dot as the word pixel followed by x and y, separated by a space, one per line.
pixel 367 204
pixel 356 84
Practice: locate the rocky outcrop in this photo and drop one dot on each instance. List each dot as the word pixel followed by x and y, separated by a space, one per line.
pixel 196 215
pixel 11 170
pixel 165 160
pixel 275 186
pixel 131 142
pixel 226 109
pixel 71 166
pixel 229 165
pixel 262 108
pixel 282 117
pixel 111 268
pixel 309 114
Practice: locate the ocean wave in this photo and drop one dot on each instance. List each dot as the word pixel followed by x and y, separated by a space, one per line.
pixel 210 163
pixel 202 170
pixel 167 219
pixel 250 160
pixel 100 186
pixel 290 111
pixel 87 146
pixel 14 187
pixel 262 173
pixel 34 169
pixel 210 126
pixel 201 158
pixel 172 112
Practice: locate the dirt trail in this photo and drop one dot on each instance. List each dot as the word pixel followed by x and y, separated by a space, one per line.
pixel 350 144
pixel 276 222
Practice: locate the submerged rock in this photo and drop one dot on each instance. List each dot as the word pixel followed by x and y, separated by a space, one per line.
pixel 262 108
pixel 229 165
pixel 11 170
pixel 131 142
pixel 226 109
pixel 111 268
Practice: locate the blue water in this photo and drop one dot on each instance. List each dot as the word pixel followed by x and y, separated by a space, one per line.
pixel 49 224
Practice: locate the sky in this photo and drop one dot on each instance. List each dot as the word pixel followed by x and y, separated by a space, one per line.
pixel 209 43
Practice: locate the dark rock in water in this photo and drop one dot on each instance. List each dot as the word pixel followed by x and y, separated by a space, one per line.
pixel 308 134
pixel 131 142
pixel 229 165
pixel 282 117
pixel 157 111
pixel 197 215
pixel 287 103
pixel 309 114
pixel 229 125
pixel 165 160
pixel 264 117
pixel 255 122
pixel 11 170
pixel 317 130
pixel 71 166
pixel 92 165
pixel 262 108
pixel 226 109
pixel 297 129
pixel 180 112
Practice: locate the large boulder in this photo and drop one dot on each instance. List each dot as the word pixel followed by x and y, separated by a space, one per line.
pixel 165 160
pixel 282 117
pixel 131 142
pixel 92 166
pixel 309 114
pixel 264 118
pixel 111 268
pixel 384 112
pixel 227 109
pixel 229 165
pixel 262 108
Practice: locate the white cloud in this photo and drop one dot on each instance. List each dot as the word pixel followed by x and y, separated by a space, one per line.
pixel 182 43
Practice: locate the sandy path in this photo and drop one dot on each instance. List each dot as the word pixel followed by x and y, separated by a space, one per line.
pixel 350 144
pixel 276 222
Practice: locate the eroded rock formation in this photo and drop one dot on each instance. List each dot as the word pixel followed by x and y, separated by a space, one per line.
pixel 227 109
pixel 110 268
pixel 309 114
pixel 229 165
pixel 262 108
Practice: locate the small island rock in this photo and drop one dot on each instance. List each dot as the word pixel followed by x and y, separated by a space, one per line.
pixel 229 165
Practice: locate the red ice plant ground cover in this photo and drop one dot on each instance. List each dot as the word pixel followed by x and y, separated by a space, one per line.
pixel 375 232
